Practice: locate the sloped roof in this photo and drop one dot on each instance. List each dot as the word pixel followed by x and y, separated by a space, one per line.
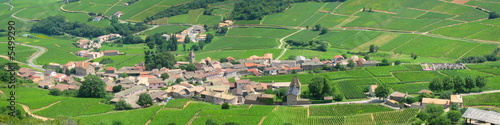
pixel 482 115
pixel 436 101
pixel 456 98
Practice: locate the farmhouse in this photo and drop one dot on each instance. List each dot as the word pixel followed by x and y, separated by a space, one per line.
pixel 111 52
pixel 444 102
pixel 118 14
pixel 131 91
pixel 457 99
pixel 107 38
pixel 219 98
pixel 83 68
pixel 398 96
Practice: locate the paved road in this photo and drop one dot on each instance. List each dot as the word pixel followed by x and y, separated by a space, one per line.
pixel 282 43
pixel 477 93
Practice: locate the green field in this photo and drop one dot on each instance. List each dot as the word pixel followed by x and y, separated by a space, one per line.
pixel 388 80
pixel 264 32
pixel 491 99
pixel 385 70
pixel 35 98
pixel 439 24
pixel 167 28
pixel 126 117
pixel 123 60
pixel 433 47
pixel 22 52
pixel 346 110
pixel 75 107
pixel 464 73
pixel 348 39
pixel 241 43
pixel 176 103
pixel 297 15
pixel 411 88
pixel 416 76
pixel 462 30
pixel 194 17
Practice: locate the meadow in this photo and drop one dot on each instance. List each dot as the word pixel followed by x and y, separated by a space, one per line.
pixel 22 52
pixel 433 47
pixel 346 110
pixel 122 60
pixel 169 29
pixel 385 70
pixel 176 103
pixel 263 32
pixel 75 107
pixel 35 98
pixel 241 43
pixel 297 15
pixel 413 76
pixel 461 30
pixel 181 116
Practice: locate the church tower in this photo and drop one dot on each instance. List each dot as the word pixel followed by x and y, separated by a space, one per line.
pixel 192 57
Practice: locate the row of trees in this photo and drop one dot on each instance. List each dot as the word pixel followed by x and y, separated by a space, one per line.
pixel 312 45
pixel 57 25
pixel 257 9
pixel 161 43
pixel 320 87
pixel 481 59
pixel 318 27
pixel 434 114
pixel 456 83
pixel 181 9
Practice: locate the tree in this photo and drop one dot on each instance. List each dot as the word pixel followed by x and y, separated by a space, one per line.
pixel 117 88
pixel 164 76
pixel 372 48
pixel 67 72
pixel 122 105
pixel 344 55
pixel 351 64
pixel 187 39
pixel 447 83
pixel 441 120
pixel 423 116
pixel 92 87
pixel 480 82
pixel 317 27
pixel 178 80
pixel 116 122
pixel 446 95
pixel 195 47
pixel 106 61
pixel 367 57
pixel 434 110
pixel 324 30
pixel 211 122
pixel 458 84
pixel 382 91
pixel 190 67
pixel 319 87
pixel 436 84
pixel 469 82
pixel 384 62
pixel 145 100
pixel 225 106
pixel 209 37
pixel 454 116
pixel 124 75
pixel 294 71
pixel 201 44
pixel 55 92
pixel 397 62
pixel 292 57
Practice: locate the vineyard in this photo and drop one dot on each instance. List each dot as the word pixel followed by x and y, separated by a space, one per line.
pixel 395 117
pixel 492 99
pixel 346 110
pixel 176 103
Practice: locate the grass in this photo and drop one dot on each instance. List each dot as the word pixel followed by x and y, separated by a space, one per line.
pixel 462 30
pixel 298 14
pixel 241 43
pixel 176 103
pixel 122 60
pixel 395 117
pixel 465 13
pixel 264 32
pixel 414 76
pixel 126 48
pixel 126 117
pixel 388 80
pixel 173 2
pixel 434 15
pixel 464 73
pixel 349 39
pixel 396 42
pixel 40 12
pixel 193 17
pixel 304 35
pixel 377 41
pixel 330 20
pixel 75 107
pixel 346 110
pixel 411 88
pixel 35 98
pixel 438 25
pixel 487 34
pixel 22 53
pixel 167 28
pixel 181 116
pixel 385 70
pixel 351 91
pixel 491 99
pixel 136 8
pixel 350 7
pixel 87 7
pixel 433 47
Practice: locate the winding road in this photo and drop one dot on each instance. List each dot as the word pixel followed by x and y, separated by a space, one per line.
pixel 282 43
pixel 30 60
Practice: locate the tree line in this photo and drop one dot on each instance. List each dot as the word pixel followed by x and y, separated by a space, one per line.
pixel 481 59
pixel 181 9
pixel 159 59
pixel 312 45
pixel 457 83
pixel 257 9
pixel 57 25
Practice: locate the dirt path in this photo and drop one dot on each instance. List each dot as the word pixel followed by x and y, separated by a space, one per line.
pixel 192 118
pixel 34 110
pixel 37 54
pixel 154 115
pixel 27 109
pixel 11 7
pixel 282 44
pixel 112 6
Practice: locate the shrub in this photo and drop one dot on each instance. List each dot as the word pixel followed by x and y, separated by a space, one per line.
pixel 225 106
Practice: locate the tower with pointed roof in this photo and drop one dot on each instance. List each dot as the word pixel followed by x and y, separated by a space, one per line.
pixel 292 95
pixel 192 57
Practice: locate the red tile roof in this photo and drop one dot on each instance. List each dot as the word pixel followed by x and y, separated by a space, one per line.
pixel 110 68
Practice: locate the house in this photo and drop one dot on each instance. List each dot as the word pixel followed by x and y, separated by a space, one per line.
pixel 118 14
pixel 70 65
pixel 242 83
pixel 111 52
pixel 63 87
pixel 226 23
pixel 338 58
pixel 444 102
pixel 289 63
pixel 26 72
pixel 84 68
pixel 159 96
pixel 271 70
pixel 398 96
pixel 255 72
pixel 107 38
pixel 98 18
pixel 180 38
pixel 481 115
pixel 201 37
pixel 179 91
pixel 109 88
pixel 219 98
pixel 131 91
pixel 110 70
pixel 49 73
pixel 372 90
pixel 167 37
pixel 93 55
pixel 59 77
pixel 293 94
pixel 156 83
pixel 54 66
pixel 310 65
pixel 457 99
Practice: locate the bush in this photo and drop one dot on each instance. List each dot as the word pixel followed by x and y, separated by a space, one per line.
pixel 122 105
pixel 55 92
pixel 225 106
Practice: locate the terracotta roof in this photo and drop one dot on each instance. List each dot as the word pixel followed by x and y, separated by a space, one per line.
pixel 63 87
pixel 59 76
pixel 110 51
pixel 83 65
pixel 456 98
pixel 109 88
pixel 110 68
pixel 243 81
pixel 425 91
pixel 292 68
pixel 69 63
pixel 338 56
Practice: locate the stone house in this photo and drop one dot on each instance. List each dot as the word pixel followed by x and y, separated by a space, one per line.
pixel 84 68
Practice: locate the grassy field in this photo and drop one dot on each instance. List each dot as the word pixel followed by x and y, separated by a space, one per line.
pixel 439 24
pixel 167 28
pixel 126 117
pixel 346 110
pixel 182 116
pixel 173 2
pixel 462 30
pixel 35 98
pixel 491 99
pixel 264 32
pixel 433 47
pixel 75 107
pixel 385 70
pixel 127 48
pixel 123 60
pixel 388 80
pixel 176 103
pixel 193 17
pixel 411 88
pixel 465 13
pixel 416 76
pixel 464 73
pixel 22 52
pixel 297 15
pixel 348 39
pixel 241 43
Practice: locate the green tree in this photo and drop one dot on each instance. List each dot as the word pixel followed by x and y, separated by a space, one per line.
pixel 382 91
pixel 178 80
pixel 225 106
pixel 367 57
pixel 117 88
pixel 447 83
pixel 67 72
pixel 211 122
pixel 434 110
pixel 384 62
pixel 164 76
pixel 317 27
pixel 116 122
pixel 469 83
pixel 458 84
pixel 441 120
pixel 292 57
pixel 423 116
pixel 195 47
pixel 187 39
pixel 454 116
pixel 190 67
pixel 344 55
pixel 397 62
pixel 436 84
pixel 294 71
pixel 351 64
pixel 372 48
pixel 480 82
pixel 316 87
pixel 124 75
pixel 209 38
pixel 324 30
pixel 446 95
pixel 145 100
pixel 92 87
pixel 55 92
pixel 122 105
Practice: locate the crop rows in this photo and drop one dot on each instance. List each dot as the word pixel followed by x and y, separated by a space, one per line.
pixel 176 103
pixel 395 117
pixel 385 70
pixel 351 91
pixel 414 76
pixel 346 110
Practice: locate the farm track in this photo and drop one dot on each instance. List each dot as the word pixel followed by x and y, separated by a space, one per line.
pixel 193 118
pixel 282 44
pixel 37 54
pixel 34 110
pixel 112 6
pixel 468 51
pixel 154 115
pixel 27 109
